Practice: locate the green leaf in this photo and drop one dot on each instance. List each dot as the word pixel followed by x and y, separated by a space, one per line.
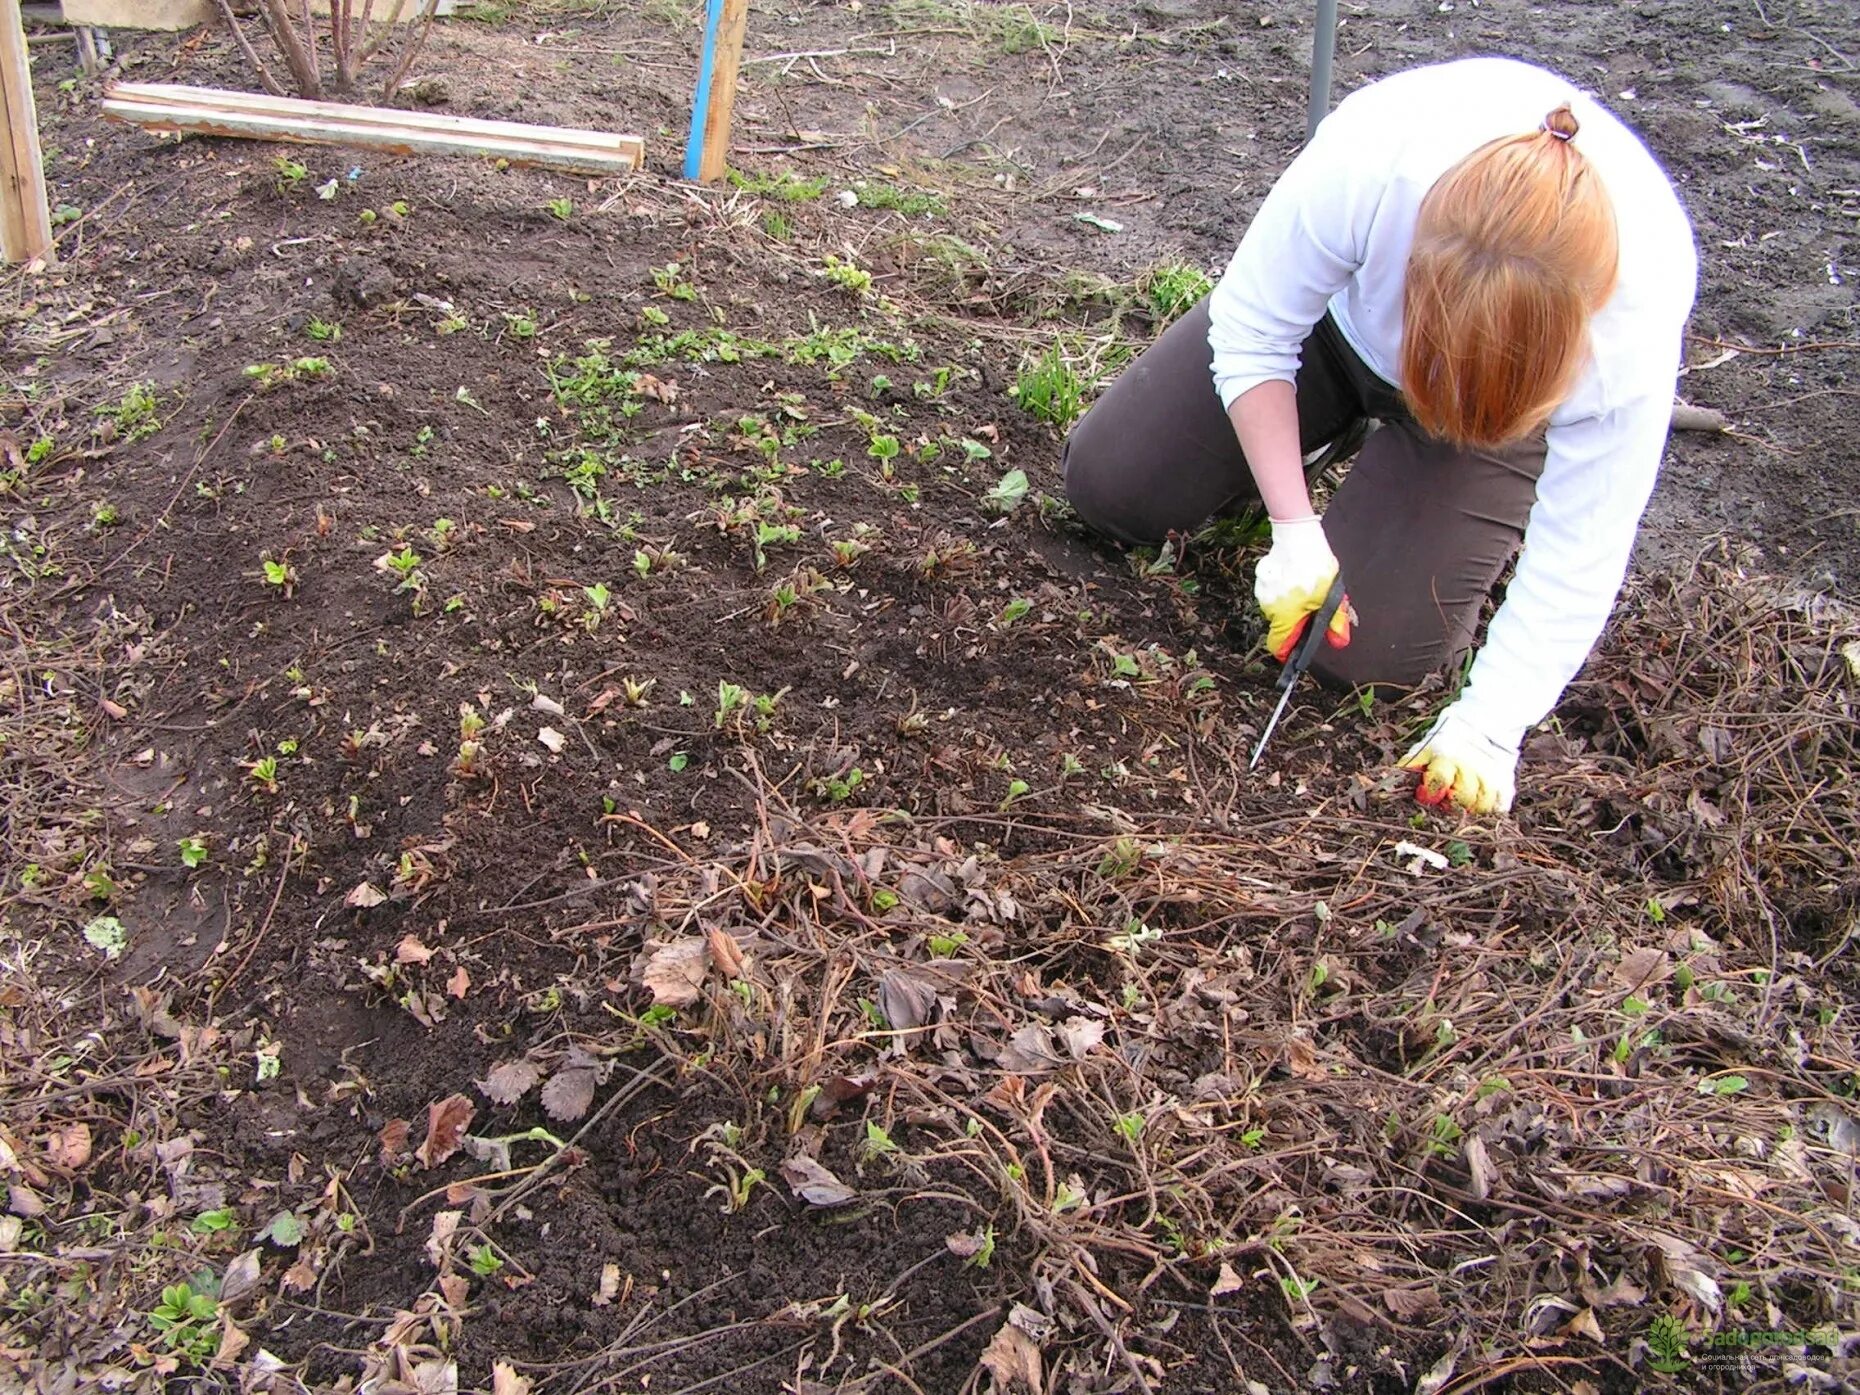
pixel 1723 1085
pixel 678 762
pixel 213 1222
pixel 285 1230
pixel 1458 853
pixel 107 933
pixel 1007 493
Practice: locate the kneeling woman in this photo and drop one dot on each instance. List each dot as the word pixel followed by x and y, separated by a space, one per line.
pixel 1495 270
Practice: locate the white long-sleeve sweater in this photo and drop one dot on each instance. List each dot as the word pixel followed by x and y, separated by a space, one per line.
pixel 1335 233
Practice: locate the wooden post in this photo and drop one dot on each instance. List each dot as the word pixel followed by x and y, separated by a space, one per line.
pixel 709 147
pixel 25 218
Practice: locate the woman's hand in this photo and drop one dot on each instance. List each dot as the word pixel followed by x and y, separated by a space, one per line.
pixel 1461 764
pixel 1291 583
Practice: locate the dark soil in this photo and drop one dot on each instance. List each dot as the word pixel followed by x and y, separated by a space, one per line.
pixel 1014 689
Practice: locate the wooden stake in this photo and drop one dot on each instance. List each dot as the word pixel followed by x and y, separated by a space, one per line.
pixel 708 152
pixel 25 217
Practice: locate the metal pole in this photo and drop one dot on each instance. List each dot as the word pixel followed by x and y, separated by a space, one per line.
pixel 1323 48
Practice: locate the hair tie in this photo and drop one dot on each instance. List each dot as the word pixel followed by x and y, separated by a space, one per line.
pixel 1561 122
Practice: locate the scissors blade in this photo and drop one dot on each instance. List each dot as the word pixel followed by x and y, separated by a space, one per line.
pixel 1271 726
pixel 1300 661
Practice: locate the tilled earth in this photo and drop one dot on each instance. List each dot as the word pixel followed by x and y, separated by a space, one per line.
pixel 580 817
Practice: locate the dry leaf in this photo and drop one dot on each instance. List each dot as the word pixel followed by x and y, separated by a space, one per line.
pixel 1013 1359
pixel 456 1290
pixel 1410 1304
pixel 1686 1268
pixel 658 389
pixel 1301 1059
pixel 240 1279
pixel 610 1286
pixel 553 739
pixel 907 1001
pixel 1478 1166
pixel 814 1184
pixel 966 1244
pixel 506 1381
pixel 301 1277
pixel 434 1377
pixel 366 894
pixel 394 1136
pixel 411 951
pixel 1584 1387
pixel 1641 967
pixel 232 1343
pixel 725 953
pixel 1585 1325
pixel 571 1089
pixel 460 982
pixel 1227 1281
pixel 439 1241
pixel 510 1082
pixel 541 702
pixel 1622 1293
pixel 446 1122
pixel 1029 1051
pixel 23 1201
pixel 674 972
pixel 69 1146
pixel 1079 1035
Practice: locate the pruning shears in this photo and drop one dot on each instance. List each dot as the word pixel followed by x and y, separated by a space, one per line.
pixel 1300 661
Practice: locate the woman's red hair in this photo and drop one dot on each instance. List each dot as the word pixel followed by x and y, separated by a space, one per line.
pixel 1514 250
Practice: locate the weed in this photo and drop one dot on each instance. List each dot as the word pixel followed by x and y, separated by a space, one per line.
pixel 1007 493
pixel 193 852
pixel 877 1142
pixel 323 331
pixel 1050 390
pixel 1012 611
pixel 1171 289
pixel 778 225
pixel 633 692
pixel 837 789
pixel 290 173
pixel 670 281
pixel 773 535
pixel 846 551
pixel 910 202
pixel 271 375
pixel 133 417
pixel 562 208
pixel 783 187
pixel 282 576
pixel 188 1321
pixel 732 698
pixel 598 598
pixel 650 561
pixel 263 772
pixel 485 1262
pixel 521 324
pixel 848 275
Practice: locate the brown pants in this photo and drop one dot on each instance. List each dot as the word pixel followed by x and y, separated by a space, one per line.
pixel 1422 529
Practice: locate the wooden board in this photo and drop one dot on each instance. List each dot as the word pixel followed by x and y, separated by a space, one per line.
pixel 25 219
pixel 138 14
pixel 214 112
